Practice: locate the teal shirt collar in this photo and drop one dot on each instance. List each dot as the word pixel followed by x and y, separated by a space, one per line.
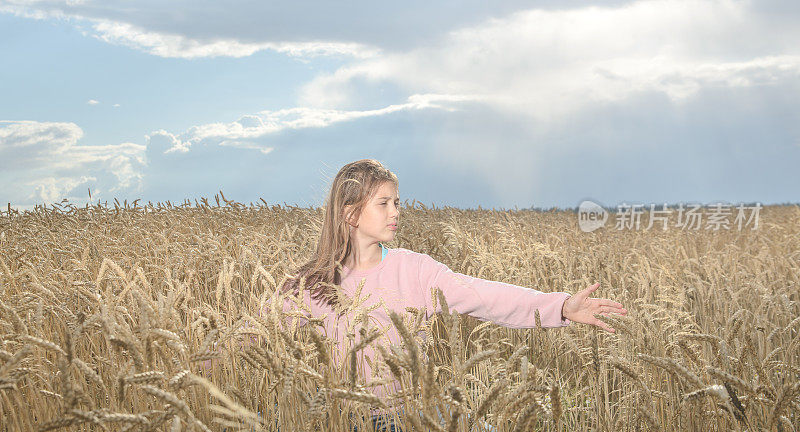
pixel 384 251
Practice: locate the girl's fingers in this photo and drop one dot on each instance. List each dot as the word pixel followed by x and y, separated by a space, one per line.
pixel 611 306
pixel 613 309
pixel 611 303
pixel 583 295
pixel 605 327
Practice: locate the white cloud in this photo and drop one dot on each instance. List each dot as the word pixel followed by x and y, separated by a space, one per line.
pixel 92 102
pixel 246 145
pixel 207 27
pixel 165 139
pixel 598 81
pixel 52 189
pixel 245 130
pixel 172 43
pixel 548 63
pixel 28 143
pixel 45 161
pixel 179 46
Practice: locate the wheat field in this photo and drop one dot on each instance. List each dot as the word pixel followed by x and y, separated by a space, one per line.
pixel 129 317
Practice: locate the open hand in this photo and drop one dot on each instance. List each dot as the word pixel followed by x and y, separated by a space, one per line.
pixel 582 308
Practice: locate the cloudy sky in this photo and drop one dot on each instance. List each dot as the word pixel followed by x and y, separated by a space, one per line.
pixel 497 104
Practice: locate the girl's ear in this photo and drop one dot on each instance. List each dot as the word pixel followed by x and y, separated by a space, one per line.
pixel 350 218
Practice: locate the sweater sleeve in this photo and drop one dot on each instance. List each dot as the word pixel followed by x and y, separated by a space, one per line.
pixel 502 303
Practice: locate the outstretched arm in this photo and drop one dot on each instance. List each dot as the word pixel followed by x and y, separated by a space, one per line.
pixel 502 303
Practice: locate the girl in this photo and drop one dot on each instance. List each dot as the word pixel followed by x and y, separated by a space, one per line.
pixel 361 214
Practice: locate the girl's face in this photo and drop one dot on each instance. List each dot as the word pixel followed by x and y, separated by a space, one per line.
pixel 379 218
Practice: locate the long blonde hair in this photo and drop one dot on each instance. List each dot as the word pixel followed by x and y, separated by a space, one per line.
pixel 353 186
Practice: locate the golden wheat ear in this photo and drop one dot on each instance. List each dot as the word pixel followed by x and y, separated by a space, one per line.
pixel 109 313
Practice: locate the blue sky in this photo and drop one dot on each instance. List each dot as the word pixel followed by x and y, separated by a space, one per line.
pixel 526 104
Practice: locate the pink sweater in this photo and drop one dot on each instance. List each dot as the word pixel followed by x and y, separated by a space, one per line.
pixel 404 278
